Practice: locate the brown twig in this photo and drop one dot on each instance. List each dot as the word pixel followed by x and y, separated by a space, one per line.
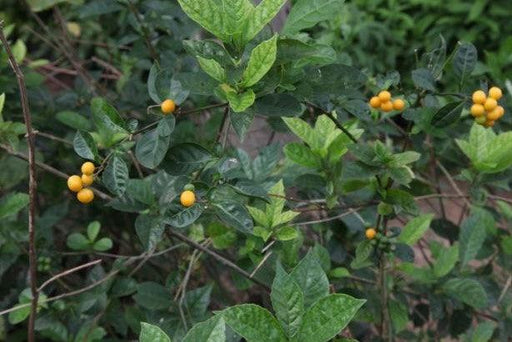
pixel 32 182
pixel 65 273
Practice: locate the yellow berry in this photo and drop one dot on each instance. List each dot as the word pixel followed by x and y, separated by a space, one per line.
pixel 187 198
pixel 386 106
pixel 87 168
pixel 495 93
pixel 496 113
pixel 490 104
pixel 375 102
pixel 168 106
pixel 479 97
pixel 489 123
pixel 398 104
pixel 370 233
pixel 85 196
pixel 477 110
pixel 385 96
pixel 87 179
pixel 75 183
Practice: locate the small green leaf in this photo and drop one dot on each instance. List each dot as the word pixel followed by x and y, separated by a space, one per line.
pixel 185 217
pixel 483 332
pixel 115 175
pixel 19 51
pixel 153 145
pixel 212 330
pixel 153 296
pixel 106 117
pixel 307 13
pixel 234 215
pixel 448 114
pixel 85 146
pixel 239 102
pixel 446 260
pixel 301 154
pixel 212 68
pixel 149 229
pixel 74 120
pixel 102 245
pixel 473 233
pixel 152 333
pixel 423 79
pixel 465 59
pixel 327 317
pixel 186 158
pixel 12 204
pixel 77 242
pixel 468 291
pixel 415 229
pixel 92 230
pixel 253 323
pixel 363 251
pixel 208 14
pixel 286 233
pixel 260 16
pixel 261 60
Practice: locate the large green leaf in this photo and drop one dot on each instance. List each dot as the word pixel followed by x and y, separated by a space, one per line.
pixel 277 105
pixel 302 54
pixel 260 16
pixel 152 333
pixel 307 13
pixel 468 291
pixel 153 145
pixel 446 260
pixel 287 301
pixel 311 278
pixel 149 229
pixel 207 13
pixel 473 232
pixel 85 146
pixel 254 323
pixel 415 229
pixel 186 158
pixel 301 154
pixel 212 330
pixel 185 217
pixel 234 215
pixel 465 59
pixel 153 296
pixel 304 131
pixel 261 60
pixel 106 117
pixel 115 175
pixel 423 79
pixel 448 114
pixel 12 204
pixel 327 317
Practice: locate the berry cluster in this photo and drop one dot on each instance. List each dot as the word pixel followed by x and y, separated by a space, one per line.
pixel 485 109
pixel 79 184
pixel 384 102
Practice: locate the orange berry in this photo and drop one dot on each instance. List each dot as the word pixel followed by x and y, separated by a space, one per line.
pixel 385 96
pixel 375 102
pixel 489 123
pixel 75 183
pixel 87 179
pixel 87 168
pixel 495 93
pixel 496 113
pixel 477 110
pixel 386 106
pixel 490 104
pixel 187 198
pixel 85 196
pixel 168 106
pixel 370 233
pixel 398 104
pixel 479 97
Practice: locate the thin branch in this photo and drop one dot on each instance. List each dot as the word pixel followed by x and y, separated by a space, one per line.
pixel 340 126
pixel 65 273
pixel 349 211
pixel 217 257
pixel 452 183
pixel 32 182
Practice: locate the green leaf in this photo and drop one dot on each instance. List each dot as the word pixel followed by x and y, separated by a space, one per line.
pixel 140 190
pixel 253 323
pixel 106 117
pixel 465 59
pixel 153 296
pixel 41 5
pixel 239 102
pixel 102 245
pixel 311 278
pixel 74 120
pixel 302 54
pixel 260 16
pixel 363 251
pixel 284 217
pixel 241 122
pixel 483 332
pixel 404 158
pixel 287 301
pixel 115 175
pixel 468 291
pixel 399 315
pixel 149 229
pixel 304 131
pixel 473 233
pixel 307 13
pixel 423 79
pixel 302 155
pixel 77 242
pixel 415 229
pixel 19 51
pixel 2 102
pixel 153 145
pixel 185 217
pixel 261 60
pixel 208 14
pixel 12 204
pixel 327 317
pixel 259 216
pixel 208 49
pixel 277 105
pixel 25 297
pixel 212 330
pixel 186 158
pixel 446 260
pixel 286 233
pixel 212 68
pixel 448 114
pixel 92 230
pixel 152 333
pixel 85 146
pixel 234 215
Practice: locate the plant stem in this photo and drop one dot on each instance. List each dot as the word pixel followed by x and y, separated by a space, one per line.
pixel 340 126
pixel 32 186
